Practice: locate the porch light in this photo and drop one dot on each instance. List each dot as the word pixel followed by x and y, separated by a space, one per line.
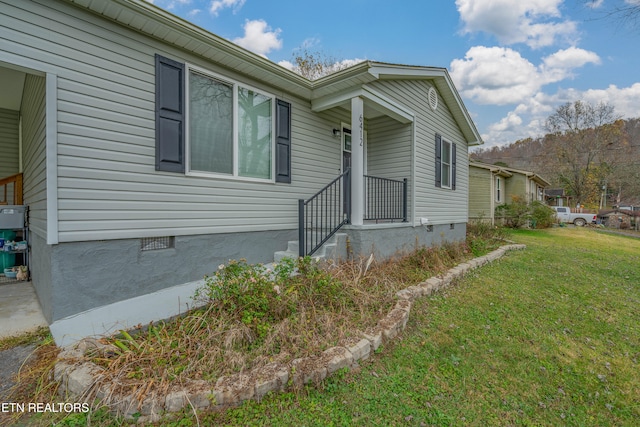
pixel 336 133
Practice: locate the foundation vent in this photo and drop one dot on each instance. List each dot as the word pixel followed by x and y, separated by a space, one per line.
pixel 157 243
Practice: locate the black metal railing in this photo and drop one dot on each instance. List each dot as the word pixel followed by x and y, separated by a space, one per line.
pixel 321 216
pixel 386 199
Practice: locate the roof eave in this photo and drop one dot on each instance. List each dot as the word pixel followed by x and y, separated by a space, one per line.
pixel 291 81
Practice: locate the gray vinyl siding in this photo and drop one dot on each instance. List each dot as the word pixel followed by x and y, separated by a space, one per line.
pixel 440 205
pixel 389 151
pixel 33 149
pixel 107 184
pixel 9 148
pixel 480 182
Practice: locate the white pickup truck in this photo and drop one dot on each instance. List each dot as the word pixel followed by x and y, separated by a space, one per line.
pixel 564 214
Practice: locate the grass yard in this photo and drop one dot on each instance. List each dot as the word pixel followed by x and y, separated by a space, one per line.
pixel 548 336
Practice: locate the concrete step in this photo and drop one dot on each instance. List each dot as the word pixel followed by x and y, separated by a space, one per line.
pixel 335 249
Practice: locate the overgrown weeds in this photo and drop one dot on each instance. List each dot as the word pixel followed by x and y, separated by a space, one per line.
pixel 253 315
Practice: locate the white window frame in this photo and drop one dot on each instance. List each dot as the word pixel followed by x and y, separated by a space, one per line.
pixel 444 141
pixel 235 135
pixel 498 190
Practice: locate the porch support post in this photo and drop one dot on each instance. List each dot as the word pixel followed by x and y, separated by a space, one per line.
pixel 357 160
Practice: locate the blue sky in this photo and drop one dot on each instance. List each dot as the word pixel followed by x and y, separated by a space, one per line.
pixel 512 61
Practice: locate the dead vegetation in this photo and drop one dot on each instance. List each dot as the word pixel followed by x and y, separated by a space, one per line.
pixel 254 317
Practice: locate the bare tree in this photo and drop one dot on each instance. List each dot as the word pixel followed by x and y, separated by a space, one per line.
pixel 314 65
pixel 581 134
pixel 626 12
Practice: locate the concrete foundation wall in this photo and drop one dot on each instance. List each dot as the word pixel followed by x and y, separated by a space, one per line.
pixel 387 240
pixel 86 275
pixel 40 267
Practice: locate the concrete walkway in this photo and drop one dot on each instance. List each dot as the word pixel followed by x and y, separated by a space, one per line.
pixel 20 310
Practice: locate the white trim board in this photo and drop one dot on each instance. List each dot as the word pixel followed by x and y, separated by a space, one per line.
pixel 111 318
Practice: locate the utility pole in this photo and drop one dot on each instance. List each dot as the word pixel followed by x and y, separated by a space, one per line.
pixel 603 198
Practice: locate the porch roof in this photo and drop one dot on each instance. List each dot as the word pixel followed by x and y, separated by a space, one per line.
pixel 324 93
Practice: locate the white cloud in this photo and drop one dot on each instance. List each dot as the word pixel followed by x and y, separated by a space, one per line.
pixel 193 13
pixel 509 123
pixel 286 64
pixel 499 75
pixel 534 112
pixel 572 57
pixel 495 75
pixel 594 4
pixel 537 23
pixel 259 37
pixel 625 100
pixel 218 5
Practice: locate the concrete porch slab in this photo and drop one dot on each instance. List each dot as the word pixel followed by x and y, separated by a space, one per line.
pixel 20 310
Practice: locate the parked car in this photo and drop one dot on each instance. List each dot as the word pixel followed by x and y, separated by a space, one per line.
pixel 564 214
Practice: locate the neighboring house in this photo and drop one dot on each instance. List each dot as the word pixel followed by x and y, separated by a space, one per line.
pixel 152 151
pixel 491 186
pixel 619 218
pixel 556 197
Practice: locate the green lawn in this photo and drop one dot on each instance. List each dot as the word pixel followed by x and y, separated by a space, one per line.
pixel 548 336
pixel 545 336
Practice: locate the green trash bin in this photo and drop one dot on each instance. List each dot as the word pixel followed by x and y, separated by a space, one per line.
pixel 7 260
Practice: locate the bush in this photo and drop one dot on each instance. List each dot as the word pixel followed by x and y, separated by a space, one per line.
pixel 515 214
pixel 519 213
pixel 483 237
pixel 542 216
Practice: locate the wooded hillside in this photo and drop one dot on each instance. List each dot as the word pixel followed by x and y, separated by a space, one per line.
pixel 584 163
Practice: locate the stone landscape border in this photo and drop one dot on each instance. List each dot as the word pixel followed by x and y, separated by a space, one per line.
pixel 80 379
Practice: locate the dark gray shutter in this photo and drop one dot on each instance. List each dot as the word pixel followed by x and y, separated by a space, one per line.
pixel 170 119
pixel 438 160
pixel 453 166
pixel 283 141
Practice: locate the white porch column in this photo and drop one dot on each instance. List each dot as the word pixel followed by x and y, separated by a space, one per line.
pixel 357 161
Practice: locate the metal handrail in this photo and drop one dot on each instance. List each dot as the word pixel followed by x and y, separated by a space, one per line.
pixel 323 214
pixel 386 199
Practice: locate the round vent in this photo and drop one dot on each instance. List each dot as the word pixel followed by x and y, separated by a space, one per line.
pixel 433 98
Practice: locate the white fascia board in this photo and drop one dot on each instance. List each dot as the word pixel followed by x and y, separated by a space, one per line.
pixel 335 100
pixel 397 72
pixel 387 106
pixel 463 109
pixel 377 102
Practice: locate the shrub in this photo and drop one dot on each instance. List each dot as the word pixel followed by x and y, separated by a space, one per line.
pixel 483 237
pixel 519 213
pixel 542 216
pixel 515 214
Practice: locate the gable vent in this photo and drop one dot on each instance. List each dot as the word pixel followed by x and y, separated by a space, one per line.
pixel 433 98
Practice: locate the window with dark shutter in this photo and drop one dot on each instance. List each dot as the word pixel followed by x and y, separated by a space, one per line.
pixel 283 141
pixel 170 111
pixel 438 160
pixel 453 166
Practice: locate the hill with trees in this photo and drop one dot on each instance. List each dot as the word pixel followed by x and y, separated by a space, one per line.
pixel 589 151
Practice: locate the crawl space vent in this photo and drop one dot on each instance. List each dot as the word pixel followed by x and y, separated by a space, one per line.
pixel 433 98
pixel 156 243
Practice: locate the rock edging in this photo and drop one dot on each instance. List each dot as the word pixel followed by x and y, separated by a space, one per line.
pixel 81 379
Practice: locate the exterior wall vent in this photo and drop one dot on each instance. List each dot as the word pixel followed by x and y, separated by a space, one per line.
pixel 156 243
pixel 433 98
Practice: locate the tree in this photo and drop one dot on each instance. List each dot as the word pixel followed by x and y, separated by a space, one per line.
pixel 627 13
pixel 582 133
pixel 314 65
